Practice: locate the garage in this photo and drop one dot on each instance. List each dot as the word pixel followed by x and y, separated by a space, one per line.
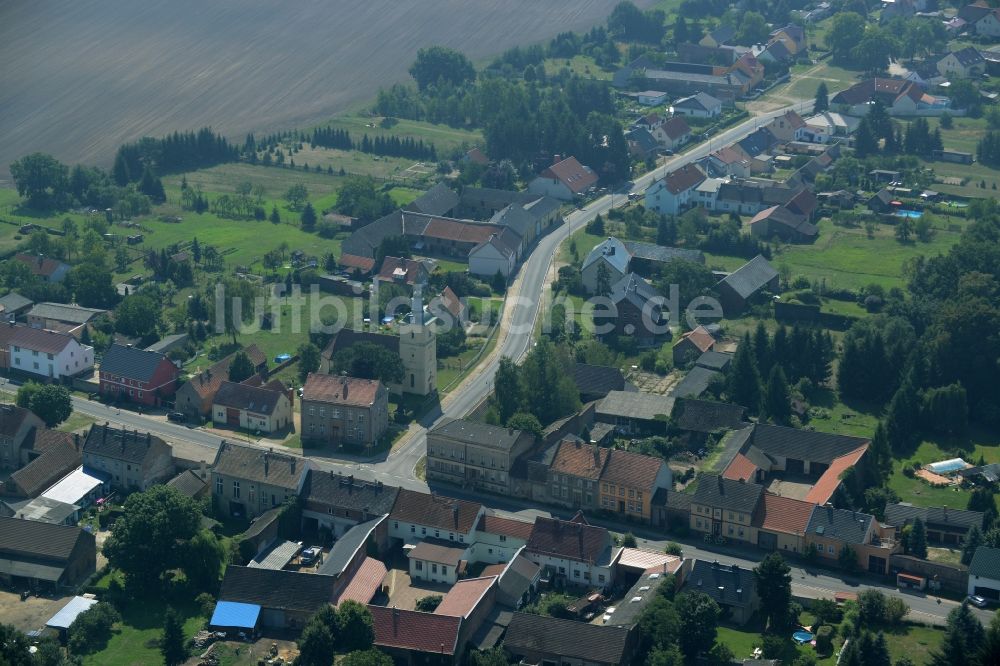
pixel 767 541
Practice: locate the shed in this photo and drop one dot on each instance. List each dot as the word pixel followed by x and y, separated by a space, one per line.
pixel 68 613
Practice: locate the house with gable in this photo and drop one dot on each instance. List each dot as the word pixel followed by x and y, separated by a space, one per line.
pixel 831 531
pixel 672 134
pixel 984 573
pixel 408 272
pixel 732 587
pixel 438 201
pixel 728 161
pixel 692 345
pixel 564 180
pixel 133 460
pixel 337 502
pixel 17 430
pixel 741 287
pixel 900 97
pixel 194 397
pixel 475 455
pixel 788 127
pixel 718 37
pixel 610 254
pixel 943 525
pixel 344 411
pixel 724 507
pixel 965 63
pixel 265 408
pixel 780 222
pixel 137 375
pixel 536 639
pixel 793 37
pixel 46 268
pixel 416 516
pixel 574 551
pixel 248 481
pixel 497 254
pixel 46 353
pixel 699 105
pixel 637 311
pixel 672 194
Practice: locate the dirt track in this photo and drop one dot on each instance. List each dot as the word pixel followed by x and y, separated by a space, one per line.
pixel 80 78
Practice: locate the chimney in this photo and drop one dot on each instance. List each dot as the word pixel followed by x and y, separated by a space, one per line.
pixel 203 470
pixel 293 465
pixel 557 158
pixel 76 440
pixel 345 388
pixel 266 463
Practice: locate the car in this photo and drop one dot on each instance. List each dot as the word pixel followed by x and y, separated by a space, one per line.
pixel 309 556
pixel 176 417
pixel 978 601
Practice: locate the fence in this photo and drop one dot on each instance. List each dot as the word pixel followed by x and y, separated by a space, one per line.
pixel 952 578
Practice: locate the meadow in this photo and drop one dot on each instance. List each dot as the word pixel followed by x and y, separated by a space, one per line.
pixel 79 80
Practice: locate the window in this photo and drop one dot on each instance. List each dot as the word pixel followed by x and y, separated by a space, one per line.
pixel 434 568
pixel 423 531
pixel 621 492
pixel 829 549
pixel 631 493
pixel 444 570
pixel 250 495
pixel 418 565
pixel 236 489
pixel 503 537
pixel 218 486
pixel 437 534
pixel 413 529
pixel 576 573
pixel 50 356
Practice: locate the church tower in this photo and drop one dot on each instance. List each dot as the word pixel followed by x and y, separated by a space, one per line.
pixel 418 349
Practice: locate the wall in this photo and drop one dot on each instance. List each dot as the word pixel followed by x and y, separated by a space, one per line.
pixel 953 578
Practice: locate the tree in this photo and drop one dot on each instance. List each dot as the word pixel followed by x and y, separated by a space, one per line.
pixel 52 403
pixel 774 586
pixel 370 361
pixel 846 30
pixel 359 197
pixel 354 627
pixel 946 121
pixel 436 64
pixel 172 644
pixel 865 141
pixel 39 178
pixel 822 102
pixel 499 282
pixel 507 389
pixel 964 638
pixel 296 196
pixel 138 315
pixel 203 557
pixel 152 186
pixel 752 30
pixel 91 283
pixel 665 656
pixel 982 499
pixel 309 358
pixel 904 230
pixel 527 422
pixel 308 217
pixel 989 653
pixel 847 558
pixel 777 398
pixel 429 603
pixel 150 536
pixel 373 657
pixel 744 386
pixel 699 616
pixel 973 541
pixel 91 630
pixel 681 32
pixel 873 51
pixel 316 644
pixel 918 539
pixel 241 367
pixel 275 215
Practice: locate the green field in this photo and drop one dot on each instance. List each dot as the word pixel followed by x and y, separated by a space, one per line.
pixel 446 139
pixel 581 65
pixel 919 492
pixel 806 78
pixel 135 642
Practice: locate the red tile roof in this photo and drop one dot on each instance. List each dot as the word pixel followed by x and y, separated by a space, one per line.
pixel 517 529
pixel 568 539
pixel 395 268
pixel 632 469
pixel 701 338
pixel 413 630
pixel 451 302
pixel 456 230
pixel 830 481
pixel 783 514
pixel 464 596
pixel 740 469
pixel 39 265
pixel 581 460
pixel 494 570
pixel 683 179
pixel 337 390
pixel 365 583
pixel 576 177
pixel 676 127
pixel 363 264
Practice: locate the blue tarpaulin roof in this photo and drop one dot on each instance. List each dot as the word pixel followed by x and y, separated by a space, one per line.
pixel 233 614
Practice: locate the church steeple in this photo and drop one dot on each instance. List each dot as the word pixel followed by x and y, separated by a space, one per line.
pixel 417 305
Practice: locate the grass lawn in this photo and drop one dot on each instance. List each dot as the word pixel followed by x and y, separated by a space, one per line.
pixel 76 422
pixel 445 138
pixel 584 243
pixel 135 640
pixel 834 416
pixel 981 444
pixel 581 65
pixel 806 78
pixel 914 641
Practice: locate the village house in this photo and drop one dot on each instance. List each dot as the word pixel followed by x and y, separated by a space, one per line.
pixel 499 539
pixel 133 460
pixel 417 516
pixel 672 134
pixel 788 127
pixel 900 97
pixel 17 428
pixel 277 599
pixel 14 306
pixel 738 289
pixel 46 353
pixel 825 127
pixel 793 37
pixel 337 502
pixel 137 375
pixel 641 142
pixel 651 97
pixel 63 317
pixel 633 413
pixel 475 455
pixel 718 37
pixel 672 194
pixel 46 268
pixel 253 408
pixel 564 180
pixel 610 258
pixel 55 455
pixel 965 63
pixel 436 561
pixel 724 508
pixel 831 531
pixel 782 523
pixel 407 272
pixel 191 483
pixel 41 553
pixel 628 483
pixel 732 587
pixel 497 254
pixel 535 639
pixel 728 161
pixel 780 222
pixel 573 551
pixel 636 310
pixel 247 481
pixel 344 411
pixel 942 525
pixel 691 345
pixel 411 636
pixel 699 105
pixel 984 573
pixel 195 396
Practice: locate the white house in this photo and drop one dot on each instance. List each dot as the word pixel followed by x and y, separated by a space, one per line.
pixel 707 192
pixel 984 573
pixel 48 353
pixel 701 105
pixel 613 255
pixel 988 25
pixel 257 408
pixel 436 561
pixel 564 180
pixel 496 253
pixel 673 133
pixel 573 551
pixel 671 194
pixel 823 127
pixel 498 539
pixel 651 97
pixel 964 64
pixel 416 516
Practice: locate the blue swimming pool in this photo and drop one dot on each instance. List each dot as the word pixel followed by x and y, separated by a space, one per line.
pixel 801 637
pixel 903 212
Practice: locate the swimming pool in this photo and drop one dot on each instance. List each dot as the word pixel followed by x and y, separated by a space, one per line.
pixel 946 466
pixel 903 212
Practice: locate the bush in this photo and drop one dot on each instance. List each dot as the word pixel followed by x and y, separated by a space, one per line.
pixel 774 646
pixel 827 611
pixel 206 602
pixel 673 548
pixel 908 471
pixel 824 640
pixel 91 630
pixel 429 603
pixel 628 540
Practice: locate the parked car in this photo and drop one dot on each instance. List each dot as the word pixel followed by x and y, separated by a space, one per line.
pixel 310 556
pixel 176 417
pixel 978 601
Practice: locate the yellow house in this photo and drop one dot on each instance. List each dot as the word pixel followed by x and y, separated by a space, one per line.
pixel 628 482
pixel 724 508
pixel 792 36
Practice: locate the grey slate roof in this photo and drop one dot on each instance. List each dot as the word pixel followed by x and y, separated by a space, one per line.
pixel 613 251
pixel 255 399
pixel 45 541
pixel 955 519
pixel 347 545
pixel 516 218
pixel 188 483
pixel 636 405
pixel 718 492
pixel 14 301
pixel 662 253
pixel 803 444
pixel 707 416
pixel 438 200
pixel 597 380
pixel 727 585
pixel 567 638
pixel 695 382
pixel 131 362
pixel 346 492
pixel 479 434
pixel 986 563
pixel 701 101
pixel 643 139
pixel 286 590
pixel 848 526
pixel 750 277
pixel 244 462
pixel 45 470
pixel 714 360
pixel 121 444
pixel 634 289
pixel 168 342
pixel 71 313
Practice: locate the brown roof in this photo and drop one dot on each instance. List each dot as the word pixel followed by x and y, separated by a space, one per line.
pixel 783 514
pixel 740 468
pixel 435 511
pixel 581 460
pixel 478 157
pixel 11 418
pixel 40 340
pixel 676 127
pixel 457 230
pixel 464 596
pixel 337 390
pixel 254 399
pixel 414 630
pixel 363 264
pixel 568 539
pixel 438 550
pixel 43 472
pixel 44 439
pixel 827 484
pixel 517 529
pixel 207 382
pixel 805 201
pixel 576 177
pixel 452 303
pixel 365 582
pixel 254 464
pixel 394 268
pixel 39 265
pixel 701 338
pixel 632 469
pixel 729 155
pixel 682 179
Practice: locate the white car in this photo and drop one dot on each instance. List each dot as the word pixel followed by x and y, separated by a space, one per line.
pixel 978 601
